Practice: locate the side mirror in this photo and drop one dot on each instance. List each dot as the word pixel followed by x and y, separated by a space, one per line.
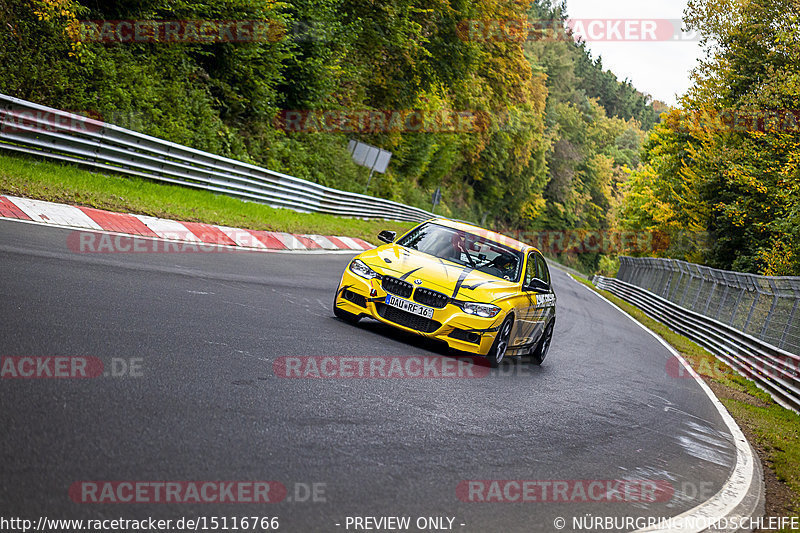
pixel 537 285
pixel 387 236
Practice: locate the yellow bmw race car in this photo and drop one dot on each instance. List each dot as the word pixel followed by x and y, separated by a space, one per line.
pixel 477 290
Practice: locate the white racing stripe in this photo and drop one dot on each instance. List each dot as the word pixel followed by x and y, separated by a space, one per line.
pixel 51 213
pixel 737 486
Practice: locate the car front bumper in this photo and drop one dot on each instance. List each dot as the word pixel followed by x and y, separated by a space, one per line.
pixel 461 331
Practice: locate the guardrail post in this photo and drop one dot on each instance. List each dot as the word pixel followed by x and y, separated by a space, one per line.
pixel 710 296
pixel 736 305
pixel 658 277
pixel 700 288
pixel 788 325
pixel 634 271
pixel 668 285
pixel 771 311
pixel 677 286
pixel 688 286
pixel 722 300
pixel 622 267
pixel 651 277
pixel 752 308
pixel 666 275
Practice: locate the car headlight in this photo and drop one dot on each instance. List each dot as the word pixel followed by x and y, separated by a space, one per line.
pixel 358 268
pixel 482 310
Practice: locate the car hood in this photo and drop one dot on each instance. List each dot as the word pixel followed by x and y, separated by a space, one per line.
pixel 452 279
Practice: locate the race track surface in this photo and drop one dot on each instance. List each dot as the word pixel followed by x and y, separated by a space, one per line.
pixel 203 331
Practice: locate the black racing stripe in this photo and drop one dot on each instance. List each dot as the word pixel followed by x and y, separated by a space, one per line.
pixel 405 276
pixel 342 289
pixel 444 267
pixel 339 295
pixel 461 278
pixel 473 287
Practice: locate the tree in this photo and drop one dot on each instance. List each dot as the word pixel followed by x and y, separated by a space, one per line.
pixel 727 165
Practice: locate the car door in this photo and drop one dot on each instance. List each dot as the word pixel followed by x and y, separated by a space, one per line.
pixel 525 332
pixel 545 300
pixel 541 301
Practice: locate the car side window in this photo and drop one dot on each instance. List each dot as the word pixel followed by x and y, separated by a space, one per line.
pixel 530 270
pixel 542 271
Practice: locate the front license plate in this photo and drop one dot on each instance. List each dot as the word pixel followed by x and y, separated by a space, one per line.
pixel 409 307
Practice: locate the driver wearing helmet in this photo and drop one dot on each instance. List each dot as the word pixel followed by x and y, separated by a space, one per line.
pixel 504 266
pixel 508 265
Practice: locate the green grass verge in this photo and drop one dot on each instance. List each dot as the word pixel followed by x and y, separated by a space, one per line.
pixel 44 180
pixel 772 429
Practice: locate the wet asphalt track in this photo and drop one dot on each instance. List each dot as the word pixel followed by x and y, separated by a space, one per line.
pixel 206 328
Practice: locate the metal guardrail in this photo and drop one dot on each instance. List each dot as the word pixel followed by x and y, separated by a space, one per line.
pixel 34 129
pixel 774 370
pixel 764 307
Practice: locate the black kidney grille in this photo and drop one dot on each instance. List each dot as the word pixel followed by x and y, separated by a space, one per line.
pixel 396 286
pixel 430 298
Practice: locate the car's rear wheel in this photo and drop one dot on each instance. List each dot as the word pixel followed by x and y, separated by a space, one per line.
pixel 498 350
pixel 344 315
pixel 543 346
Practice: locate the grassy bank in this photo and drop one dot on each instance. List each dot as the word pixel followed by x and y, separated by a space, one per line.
pixel 772 430
pixel 43 180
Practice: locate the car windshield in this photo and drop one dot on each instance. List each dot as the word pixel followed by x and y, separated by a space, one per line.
pixel 465 249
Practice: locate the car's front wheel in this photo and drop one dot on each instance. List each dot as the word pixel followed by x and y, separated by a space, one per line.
pixel 500 346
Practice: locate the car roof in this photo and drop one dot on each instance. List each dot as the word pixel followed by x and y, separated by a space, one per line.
pixel 485 233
